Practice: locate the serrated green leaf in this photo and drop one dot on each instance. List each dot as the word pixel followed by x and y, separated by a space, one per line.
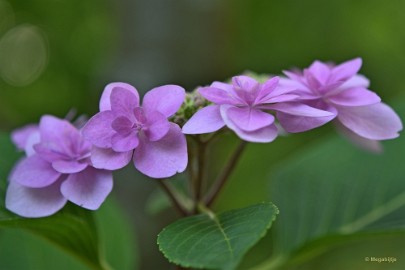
pixel 216 241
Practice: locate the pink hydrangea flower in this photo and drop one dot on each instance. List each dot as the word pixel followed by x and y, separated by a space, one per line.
pixel 243 107
pixel 56 169
pixel 125 130
pixel 340 90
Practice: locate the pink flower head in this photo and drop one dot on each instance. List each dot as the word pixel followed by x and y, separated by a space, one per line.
pixel 123 129
pixel 56 169
pixel 242 106
pixel 340 90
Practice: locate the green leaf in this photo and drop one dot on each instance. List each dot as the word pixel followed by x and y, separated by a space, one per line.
pixel 216 242
pixel 116 236
pixel 333 189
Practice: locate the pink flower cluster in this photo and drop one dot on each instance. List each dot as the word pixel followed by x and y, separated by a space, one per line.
pixel 63 163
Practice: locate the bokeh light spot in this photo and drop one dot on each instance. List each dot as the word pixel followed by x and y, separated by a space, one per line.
pixel 23 55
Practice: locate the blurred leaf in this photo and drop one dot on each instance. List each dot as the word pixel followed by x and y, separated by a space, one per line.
pixel 116 236
pixel 211 241
pixel 72 228
pixel 336 190
pixel 21 249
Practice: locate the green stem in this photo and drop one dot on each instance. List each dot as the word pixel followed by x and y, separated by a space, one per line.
pixel 199 180
pixel 173 197
pixel 224 175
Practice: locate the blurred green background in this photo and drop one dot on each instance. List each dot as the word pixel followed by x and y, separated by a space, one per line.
pixel 58 55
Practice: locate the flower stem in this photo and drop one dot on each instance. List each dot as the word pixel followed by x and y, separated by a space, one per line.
pixel 224 175
pixel 199 180
pixel 173 197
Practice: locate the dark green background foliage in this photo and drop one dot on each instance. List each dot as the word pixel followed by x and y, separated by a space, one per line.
pixel 338 204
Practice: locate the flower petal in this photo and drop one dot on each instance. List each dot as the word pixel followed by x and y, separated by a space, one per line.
pixel 299 109
pixel 318 73
pixel 123 102
pixel 245 82
pixel 98 129
pixel 262 135
pixel 108 159
pixel 297 123
pixel 249 119
pixel 218 96
pixel 88 188
pixel 34 202
pixel 346 70
pixel 357 81
pixel 20 136
pixel 206 120
pixel 246 88
pixel 105 101
pixel 122 125
pixel 163 158
pixel 165 99
pixel 355 97
pixel 125 143
pixel 375 122
pixel 267 88
pixel 69 166
pixel 366 144
pixel 59 135
pixel 157 126
pixel 34 172
pixel 224 86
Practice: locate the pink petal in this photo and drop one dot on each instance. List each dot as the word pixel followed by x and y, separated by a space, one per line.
pixel 289 84
pixel 20 136
pixel 280 98
pixel 346 70
pixel 58 134
pixel 375 122
pixel 88 188
pixel 69 166
pixel 319 71
pixel 263 135
pixel 355 97
pixel 223 86
pixel 122 125
pixel 157 126
pixel 294 75
pixel 34 202
pixel 245 82
pixel 98 129
pixel 123 102
pixel 249 119
pixel 46 152
pixel 34 139
pixel 218 96
pixel 206 120
pixel 299 109
pixel 34 172
pixel 267 88
pixel 125 143
pixel 245 88
pixel 163 158
pixel 366 144
pixel 105 102
pixel 109 159
pixel 165 99
pixel 357 81
pixel 295 123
